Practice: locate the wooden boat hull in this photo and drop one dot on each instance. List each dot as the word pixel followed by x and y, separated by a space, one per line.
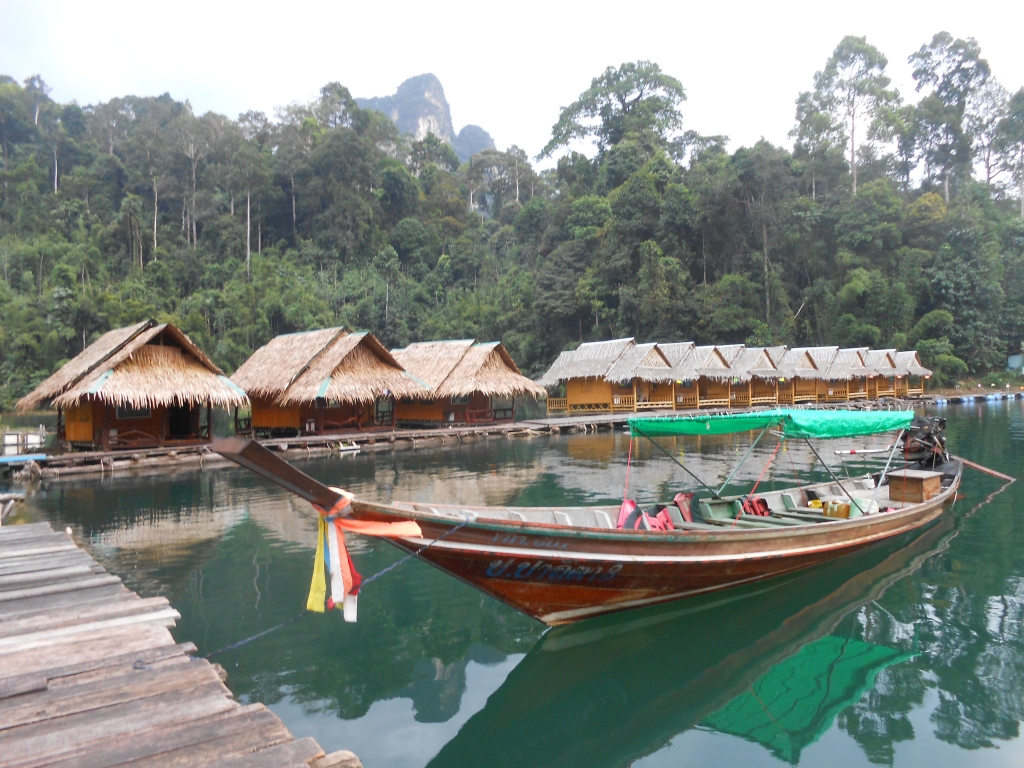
pixel 560 574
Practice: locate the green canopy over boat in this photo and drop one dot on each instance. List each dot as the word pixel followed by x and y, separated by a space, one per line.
pixel 794 423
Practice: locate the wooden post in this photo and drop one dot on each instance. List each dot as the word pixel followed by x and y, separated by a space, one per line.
pixel 105 434
pixel 209 420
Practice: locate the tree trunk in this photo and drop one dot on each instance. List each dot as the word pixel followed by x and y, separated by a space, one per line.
pixel 767 288
pixel 291 176
pixel 55 170
pixel 945 185
pixel 192 213
pixel 248 236
pixel 156 203
pixel 853 150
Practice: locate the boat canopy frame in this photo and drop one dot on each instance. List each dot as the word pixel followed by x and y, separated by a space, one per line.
pixel 806 424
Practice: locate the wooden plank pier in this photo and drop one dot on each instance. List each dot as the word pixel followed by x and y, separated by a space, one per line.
pixel 90 676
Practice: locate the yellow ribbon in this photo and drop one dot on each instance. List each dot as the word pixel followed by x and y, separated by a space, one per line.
pixel 318 587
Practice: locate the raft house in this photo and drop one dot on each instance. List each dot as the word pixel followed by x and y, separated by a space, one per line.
pixel 463 382
pixel 611 376
pixel 145 385
pixel 320 382
pixel 593 377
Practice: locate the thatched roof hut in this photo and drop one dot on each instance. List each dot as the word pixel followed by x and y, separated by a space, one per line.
pixel 615 361
pixel 754 362
pixel 328 364
pixel 799 362
pixel 146 365
pixel 848 364
pixel 882 362
pixel 909 364
pixel 462 367
pixel 640 361
pixel 703 362
pixel 593 359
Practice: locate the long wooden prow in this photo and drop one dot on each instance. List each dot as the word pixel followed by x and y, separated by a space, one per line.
pixel 987 471
pixel 253 456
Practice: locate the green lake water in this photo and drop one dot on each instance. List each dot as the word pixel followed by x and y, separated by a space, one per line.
pixel 908 654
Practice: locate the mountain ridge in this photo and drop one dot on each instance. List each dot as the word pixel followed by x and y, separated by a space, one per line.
pixel 419 107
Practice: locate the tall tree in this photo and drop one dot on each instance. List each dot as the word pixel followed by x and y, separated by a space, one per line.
pixel 986 108
pixel 635 98
pixel 953 69
pixel 1011 141
pixel 854 89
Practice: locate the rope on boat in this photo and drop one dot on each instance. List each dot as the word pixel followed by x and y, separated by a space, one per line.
pixel 365 581
pixel 754 489
pixel 629 463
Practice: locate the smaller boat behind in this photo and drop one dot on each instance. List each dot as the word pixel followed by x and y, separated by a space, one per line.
pixel 563 564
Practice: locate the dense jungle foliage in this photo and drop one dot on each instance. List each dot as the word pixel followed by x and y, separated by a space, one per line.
pixel 888 223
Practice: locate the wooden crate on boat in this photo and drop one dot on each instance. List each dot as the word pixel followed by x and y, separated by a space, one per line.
pixel 914 485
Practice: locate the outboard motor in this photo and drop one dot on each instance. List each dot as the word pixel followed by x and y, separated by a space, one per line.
pixel 924 442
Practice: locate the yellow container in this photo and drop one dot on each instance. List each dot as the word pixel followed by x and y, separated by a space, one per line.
pixel 835 509
pixel 814 503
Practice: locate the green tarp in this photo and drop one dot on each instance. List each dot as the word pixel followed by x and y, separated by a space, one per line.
pixel 795 702
pixel 795 423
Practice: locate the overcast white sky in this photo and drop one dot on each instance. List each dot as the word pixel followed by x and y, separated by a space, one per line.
pixel 506 66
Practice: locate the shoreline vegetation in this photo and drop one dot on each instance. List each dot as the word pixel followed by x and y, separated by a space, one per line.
pixel 895 220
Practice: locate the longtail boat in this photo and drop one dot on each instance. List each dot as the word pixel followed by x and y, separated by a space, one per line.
pixel 563 564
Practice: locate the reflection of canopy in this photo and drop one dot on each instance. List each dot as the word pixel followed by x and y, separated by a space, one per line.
pixel 795 423
pixel 794 703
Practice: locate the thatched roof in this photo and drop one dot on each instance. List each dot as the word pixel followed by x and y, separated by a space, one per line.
pixel 881 361
pixel 432 361
pixel 143 365
pixel 909 364
pixel 703 362
pixel 775 354
pixel 556 373
pixel 277 364
pixel 591 360
pixel 328 364
pixel 460 368
pixel 355 368
pixel 754 362
pixel 798 362
pixel 730 352
pixel 676 351
pixel 848 364
pixel 823 357
pixel 640 361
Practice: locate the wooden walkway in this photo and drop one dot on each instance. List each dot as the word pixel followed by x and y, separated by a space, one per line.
pixel 90 675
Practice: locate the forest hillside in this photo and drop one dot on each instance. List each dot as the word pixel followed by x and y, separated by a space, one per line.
pixel 893 220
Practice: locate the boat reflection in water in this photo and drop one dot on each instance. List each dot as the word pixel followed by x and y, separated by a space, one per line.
pixel 773 664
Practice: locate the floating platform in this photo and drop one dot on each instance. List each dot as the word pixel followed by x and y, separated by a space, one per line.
pixel 90 676
pixel 64 465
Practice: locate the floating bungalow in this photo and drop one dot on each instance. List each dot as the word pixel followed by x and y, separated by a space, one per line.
pixel 755 369
pixel 146 385
pixel 463 382
pixel 910 374
pixel 323 381
pixel 882 379
pixel 684 391
pixel 611 376
pixel 620 375
pixel 798 376
pixel 847 377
